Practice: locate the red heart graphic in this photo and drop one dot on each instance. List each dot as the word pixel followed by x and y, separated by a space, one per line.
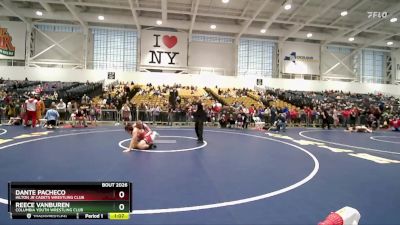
pixel 169 41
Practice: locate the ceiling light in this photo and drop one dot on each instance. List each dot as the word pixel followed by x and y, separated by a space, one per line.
pixel 213 26
pixel 225 1
pixel 344 13
pixel 351 38
pixel 309 35
pixel 159 22
pixel 287 4
pixel 389 43
pixel 100 17
pixel 39 13
pixel 263 31
pixel 394 19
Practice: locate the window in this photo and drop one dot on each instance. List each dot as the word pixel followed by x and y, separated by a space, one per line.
pixel 212 38
pixel 373 66
pixel 114 49
pixel 58 28
pixel 345 51
pixel 256 57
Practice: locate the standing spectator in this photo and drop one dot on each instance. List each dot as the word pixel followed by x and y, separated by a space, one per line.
pixel 62 110
pixel 93 111
pixel 353 117
pixel 308 113
pixel 69 110
pixel 10 111
pixel 156 113
pixel 346 116
pixel 126 113
pixel 170 116
pixel 41 108
pixel 30 105
pixel 335 117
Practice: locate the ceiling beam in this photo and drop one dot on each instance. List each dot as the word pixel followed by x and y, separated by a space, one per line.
pixel 126 20
pixel 362 26
pixel 349 11
pixel 298 9
pixel 245 8
pixel 216 15
pixel 248 23
pixel 73 11
pixel 196 7
pixel 46 6
pixel 321 12
pixel 273 17
pixel 9 7
pixel 164 10
pixel 135 16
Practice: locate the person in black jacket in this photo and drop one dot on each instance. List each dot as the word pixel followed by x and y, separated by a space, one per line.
pixel 326 119
pixel 200 116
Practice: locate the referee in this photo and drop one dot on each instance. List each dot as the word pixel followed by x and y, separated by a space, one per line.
pixel 200 116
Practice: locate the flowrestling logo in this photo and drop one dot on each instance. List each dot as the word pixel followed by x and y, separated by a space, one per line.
pixel 293 57
pixel 6 46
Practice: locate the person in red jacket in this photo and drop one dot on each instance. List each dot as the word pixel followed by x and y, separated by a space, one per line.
pixel 395 123
pixel 346 116
pixel 31 106
pixel 294 115
pixel 308 113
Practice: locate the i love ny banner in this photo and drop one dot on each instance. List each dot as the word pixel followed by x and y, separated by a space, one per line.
pixel 163 49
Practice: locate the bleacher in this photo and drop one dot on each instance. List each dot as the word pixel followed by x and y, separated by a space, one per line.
pixel 197 94
pixel 230 96
pixel 146 96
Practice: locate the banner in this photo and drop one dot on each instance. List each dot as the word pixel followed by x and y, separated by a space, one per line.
pixel 163 49
pixel 300 58
pixel 12 40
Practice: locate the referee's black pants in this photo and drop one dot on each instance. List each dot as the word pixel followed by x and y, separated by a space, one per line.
pixel 198 127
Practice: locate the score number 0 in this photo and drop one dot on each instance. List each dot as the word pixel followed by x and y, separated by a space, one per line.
pixel 121 194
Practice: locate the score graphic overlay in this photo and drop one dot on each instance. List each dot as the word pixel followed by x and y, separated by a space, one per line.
pixel 70 200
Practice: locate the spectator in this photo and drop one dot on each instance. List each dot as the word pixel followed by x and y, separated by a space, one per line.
pixel 126 113
pixel 62 110
pixel 40 109
pixel 85 99
pixel 281 124
pixel 80 117
pixel 93 111
pixel 31 107
pixel 223 121
pixel 52 116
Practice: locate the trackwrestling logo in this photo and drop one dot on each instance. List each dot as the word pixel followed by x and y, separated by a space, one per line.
pixel 6 46
pixel 293 57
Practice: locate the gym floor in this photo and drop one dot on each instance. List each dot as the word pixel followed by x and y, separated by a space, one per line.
pixel 236 177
